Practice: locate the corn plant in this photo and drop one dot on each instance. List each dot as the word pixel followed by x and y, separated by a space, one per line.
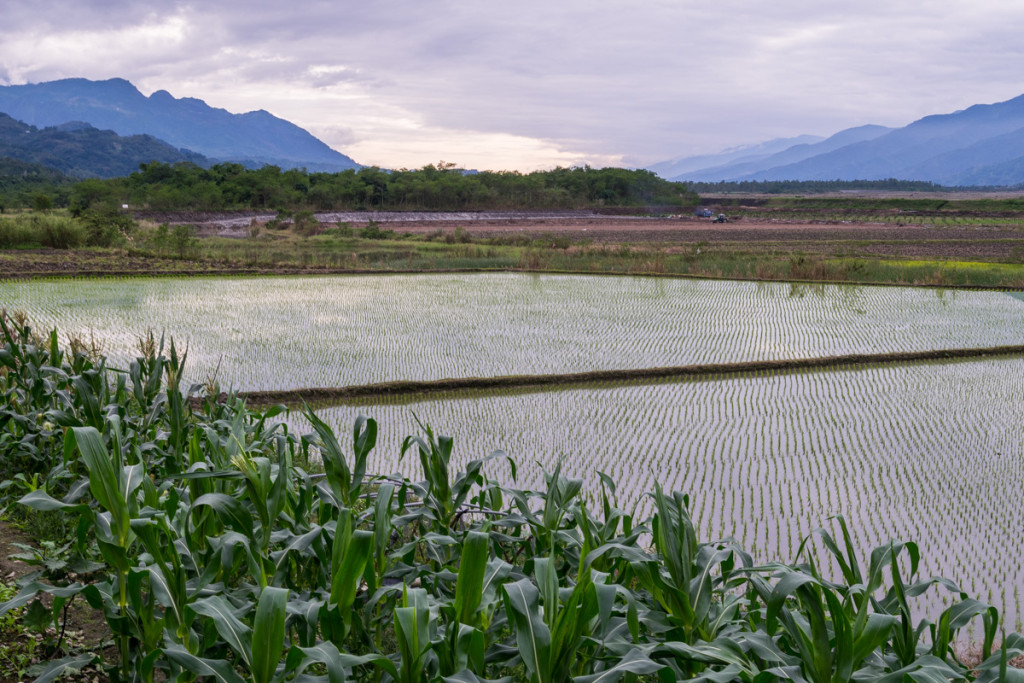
pixel 213 553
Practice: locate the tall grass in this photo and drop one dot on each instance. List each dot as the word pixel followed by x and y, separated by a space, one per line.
pixel 41 230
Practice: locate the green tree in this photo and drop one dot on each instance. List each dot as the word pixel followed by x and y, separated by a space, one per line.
pixel 41 202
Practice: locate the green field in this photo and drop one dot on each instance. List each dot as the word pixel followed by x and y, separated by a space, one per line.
pixel 293 332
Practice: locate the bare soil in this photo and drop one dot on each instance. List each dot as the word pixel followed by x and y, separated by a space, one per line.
pixel 944 242
pixel 11 570
pixel 85 628
pixel 940 242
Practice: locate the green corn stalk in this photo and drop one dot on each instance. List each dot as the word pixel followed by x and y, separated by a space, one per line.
pixel 560 500
pixel 382 530
pixel 415 632
pixel 694 572
pixel 463 645
pixel 113 486
pixel 533 637
pixel 442 496
pixel 168 577
pixel 346 483
pixel 350 560
pixel 553 633
pixel 259 649
pixel 147 372
pixel 178 410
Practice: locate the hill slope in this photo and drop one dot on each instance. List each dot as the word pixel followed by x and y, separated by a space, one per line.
pixel 82 151
pixel 253 138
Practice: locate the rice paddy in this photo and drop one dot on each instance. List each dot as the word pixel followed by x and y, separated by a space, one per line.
pixel 291 332
pixel 930 452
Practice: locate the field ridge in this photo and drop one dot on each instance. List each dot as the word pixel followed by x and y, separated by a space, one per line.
pixel 381 389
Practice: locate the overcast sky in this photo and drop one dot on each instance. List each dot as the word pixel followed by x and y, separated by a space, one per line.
pixel 527 84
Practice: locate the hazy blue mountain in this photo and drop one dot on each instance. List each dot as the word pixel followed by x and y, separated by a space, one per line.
pixel 743 169
pixel 991 161
pixel 746 153
pixel 253 138
pixel 981 145
pixel 82 151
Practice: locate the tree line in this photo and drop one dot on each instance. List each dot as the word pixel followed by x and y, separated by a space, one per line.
pixel 225 186
pixel 24 185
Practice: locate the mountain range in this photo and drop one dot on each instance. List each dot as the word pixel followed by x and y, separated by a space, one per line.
pixel 980 145
pixel 105 128
pixel 79 150
pixel 254 138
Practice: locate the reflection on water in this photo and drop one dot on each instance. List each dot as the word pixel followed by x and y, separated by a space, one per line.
pixel 946 297
pixel 1019 296
pixel 841 297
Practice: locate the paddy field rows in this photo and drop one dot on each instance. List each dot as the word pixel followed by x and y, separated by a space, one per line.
pixel 291 332
pixel 929 452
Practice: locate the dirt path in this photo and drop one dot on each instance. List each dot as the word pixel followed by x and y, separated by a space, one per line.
pixel 11 570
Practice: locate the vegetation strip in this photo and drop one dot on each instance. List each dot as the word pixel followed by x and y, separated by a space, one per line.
pixel 321 394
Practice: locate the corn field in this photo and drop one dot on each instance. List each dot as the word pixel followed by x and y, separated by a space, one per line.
pixel 216 551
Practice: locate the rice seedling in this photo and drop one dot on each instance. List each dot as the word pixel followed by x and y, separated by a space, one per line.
pixel 879 445
pixel 292 332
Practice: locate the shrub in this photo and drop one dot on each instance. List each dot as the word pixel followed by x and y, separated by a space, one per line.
pixel 60 232
pixel 372 231
pixel 107 228
pixel 42 202
pixel 460 236
pixel 38 230
pixel 15 232
pixel 183 240
pixel 305 223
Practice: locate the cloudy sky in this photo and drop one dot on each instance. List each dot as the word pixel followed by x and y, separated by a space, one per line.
pixel 534 84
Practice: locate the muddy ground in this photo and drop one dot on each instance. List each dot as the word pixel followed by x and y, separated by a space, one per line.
pixel 874 237
pixel 880 239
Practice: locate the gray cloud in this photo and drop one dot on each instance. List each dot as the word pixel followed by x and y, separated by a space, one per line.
pixel 600 79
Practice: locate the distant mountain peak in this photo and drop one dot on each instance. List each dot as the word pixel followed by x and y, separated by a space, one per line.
pixel 186 123
pixel 980 145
